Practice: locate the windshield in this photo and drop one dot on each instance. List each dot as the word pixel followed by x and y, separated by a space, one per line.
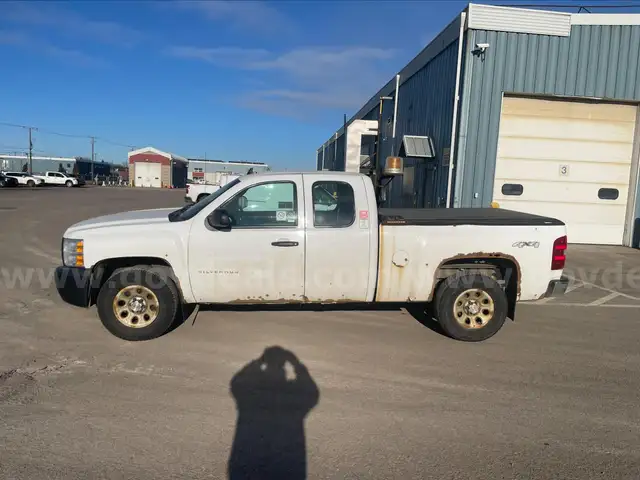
pixel 189 211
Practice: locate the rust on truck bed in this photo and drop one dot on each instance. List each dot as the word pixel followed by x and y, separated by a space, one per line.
pixel 479 256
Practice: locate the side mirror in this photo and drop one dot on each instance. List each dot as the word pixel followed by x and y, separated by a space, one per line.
pixel 219 219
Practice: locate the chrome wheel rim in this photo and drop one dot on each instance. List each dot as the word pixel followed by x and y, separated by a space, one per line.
pixel 136 306
pixel 473 309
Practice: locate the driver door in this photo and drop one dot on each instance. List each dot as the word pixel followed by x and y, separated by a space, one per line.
pixel 57 179
pixel 260 259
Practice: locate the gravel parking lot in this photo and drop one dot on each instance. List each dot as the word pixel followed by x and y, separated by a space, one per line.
pixel 553 395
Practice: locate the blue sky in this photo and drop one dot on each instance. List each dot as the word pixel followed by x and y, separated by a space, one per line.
pixel 237 80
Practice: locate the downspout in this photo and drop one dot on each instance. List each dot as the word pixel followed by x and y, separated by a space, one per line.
pixel 335 150
pixel 456 101
pixel 395 115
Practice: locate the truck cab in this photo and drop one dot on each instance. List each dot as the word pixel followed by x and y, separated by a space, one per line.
pixel 58 178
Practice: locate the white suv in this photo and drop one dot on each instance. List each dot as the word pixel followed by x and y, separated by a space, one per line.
pixel 25 179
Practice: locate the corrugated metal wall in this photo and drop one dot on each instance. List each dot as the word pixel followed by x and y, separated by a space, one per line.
pixel 425 107
pixel 594 61
pixel 334 154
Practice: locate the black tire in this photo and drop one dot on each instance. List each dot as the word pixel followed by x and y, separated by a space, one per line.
pixel 3 184
pixel 69 183
pixel 155 279
pixel 445 302
pixel 31 183
pixel 201 196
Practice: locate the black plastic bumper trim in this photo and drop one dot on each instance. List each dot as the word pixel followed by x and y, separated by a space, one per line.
pixel 557 288
pixel 74 285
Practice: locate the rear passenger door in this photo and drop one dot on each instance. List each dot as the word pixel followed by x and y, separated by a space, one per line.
pixel 338 249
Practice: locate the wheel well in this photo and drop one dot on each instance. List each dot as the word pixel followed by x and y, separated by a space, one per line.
pixel 505 270
pixel 105 268
pixel 201 196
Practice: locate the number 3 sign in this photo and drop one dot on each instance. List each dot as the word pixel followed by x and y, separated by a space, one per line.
pixel 564 170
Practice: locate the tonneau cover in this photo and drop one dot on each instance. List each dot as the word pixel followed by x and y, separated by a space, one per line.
pixel 461 216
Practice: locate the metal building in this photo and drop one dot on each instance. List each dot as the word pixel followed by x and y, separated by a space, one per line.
pixel 536 110
pixel 203 170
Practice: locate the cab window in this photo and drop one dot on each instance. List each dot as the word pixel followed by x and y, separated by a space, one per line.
pixel 268 205
pixel 333 204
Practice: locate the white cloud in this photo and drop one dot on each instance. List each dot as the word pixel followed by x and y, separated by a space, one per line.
pixel 74 57
pixel 30 43
pixel 13 38
pixel 221 56
pixel 66 22
pixel 322 77
pixel 259 16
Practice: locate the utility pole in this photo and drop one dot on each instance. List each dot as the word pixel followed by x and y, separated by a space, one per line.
pixel 30 153
pixel 93 141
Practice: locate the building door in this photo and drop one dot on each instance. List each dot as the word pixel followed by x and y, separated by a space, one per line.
pixel 148 174
pixel 569 160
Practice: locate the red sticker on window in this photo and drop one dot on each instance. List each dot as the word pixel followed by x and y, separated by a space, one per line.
pixel 364 214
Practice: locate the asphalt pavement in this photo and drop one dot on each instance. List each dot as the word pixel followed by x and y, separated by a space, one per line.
pixel 378 394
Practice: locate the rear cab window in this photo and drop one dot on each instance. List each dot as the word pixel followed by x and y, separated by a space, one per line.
pixel 334 204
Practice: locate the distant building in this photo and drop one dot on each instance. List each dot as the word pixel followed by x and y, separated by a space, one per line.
pixel 39 164
pixel 150 167
pixel 203 170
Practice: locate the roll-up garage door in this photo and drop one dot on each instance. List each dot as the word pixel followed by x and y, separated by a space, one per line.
pixel 148 174
pixel 570 160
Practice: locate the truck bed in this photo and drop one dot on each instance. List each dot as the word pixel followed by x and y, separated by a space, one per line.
pixel 461 216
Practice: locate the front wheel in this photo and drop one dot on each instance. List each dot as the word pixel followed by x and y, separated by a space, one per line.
pixel 31 184
pixel 69 183
pixel 138 303
pixel 471 307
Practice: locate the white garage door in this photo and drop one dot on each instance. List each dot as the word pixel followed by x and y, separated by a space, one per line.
pixel 148 174
pixel 568 160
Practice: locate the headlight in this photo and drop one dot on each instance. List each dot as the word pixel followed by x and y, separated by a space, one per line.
pixel 72 252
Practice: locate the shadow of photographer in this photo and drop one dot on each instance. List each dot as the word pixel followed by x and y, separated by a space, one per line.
pixel 273 395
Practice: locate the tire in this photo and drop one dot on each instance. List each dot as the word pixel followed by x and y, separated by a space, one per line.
pixel 68 183
pixel 201 196
pixel 3 184
pixel 31 183
pixel 459 297
pixel 157 281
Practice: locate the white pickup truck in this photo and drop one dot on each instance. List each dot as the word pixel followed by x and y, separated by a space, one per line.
pixel 24 178
pixel 59 178
pixel 310 238
pixel 197 191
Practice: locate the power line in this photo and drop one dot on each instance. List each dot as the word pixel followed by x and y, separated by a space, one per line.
pixel 19 148
pixel 68 135
pixel 111 142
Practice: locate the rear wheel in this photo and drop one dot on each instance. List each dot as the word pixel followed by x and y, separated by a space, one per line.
pixel 471 307
pixel 138 303
pixel 3 183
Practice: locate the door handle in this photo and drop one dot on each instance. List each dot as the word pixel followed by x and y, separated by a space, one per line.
pixel 284 243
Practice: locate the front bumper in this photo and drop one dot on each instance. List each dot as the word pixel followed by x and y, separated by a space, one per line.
pixel 557 288
pixel 74 285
